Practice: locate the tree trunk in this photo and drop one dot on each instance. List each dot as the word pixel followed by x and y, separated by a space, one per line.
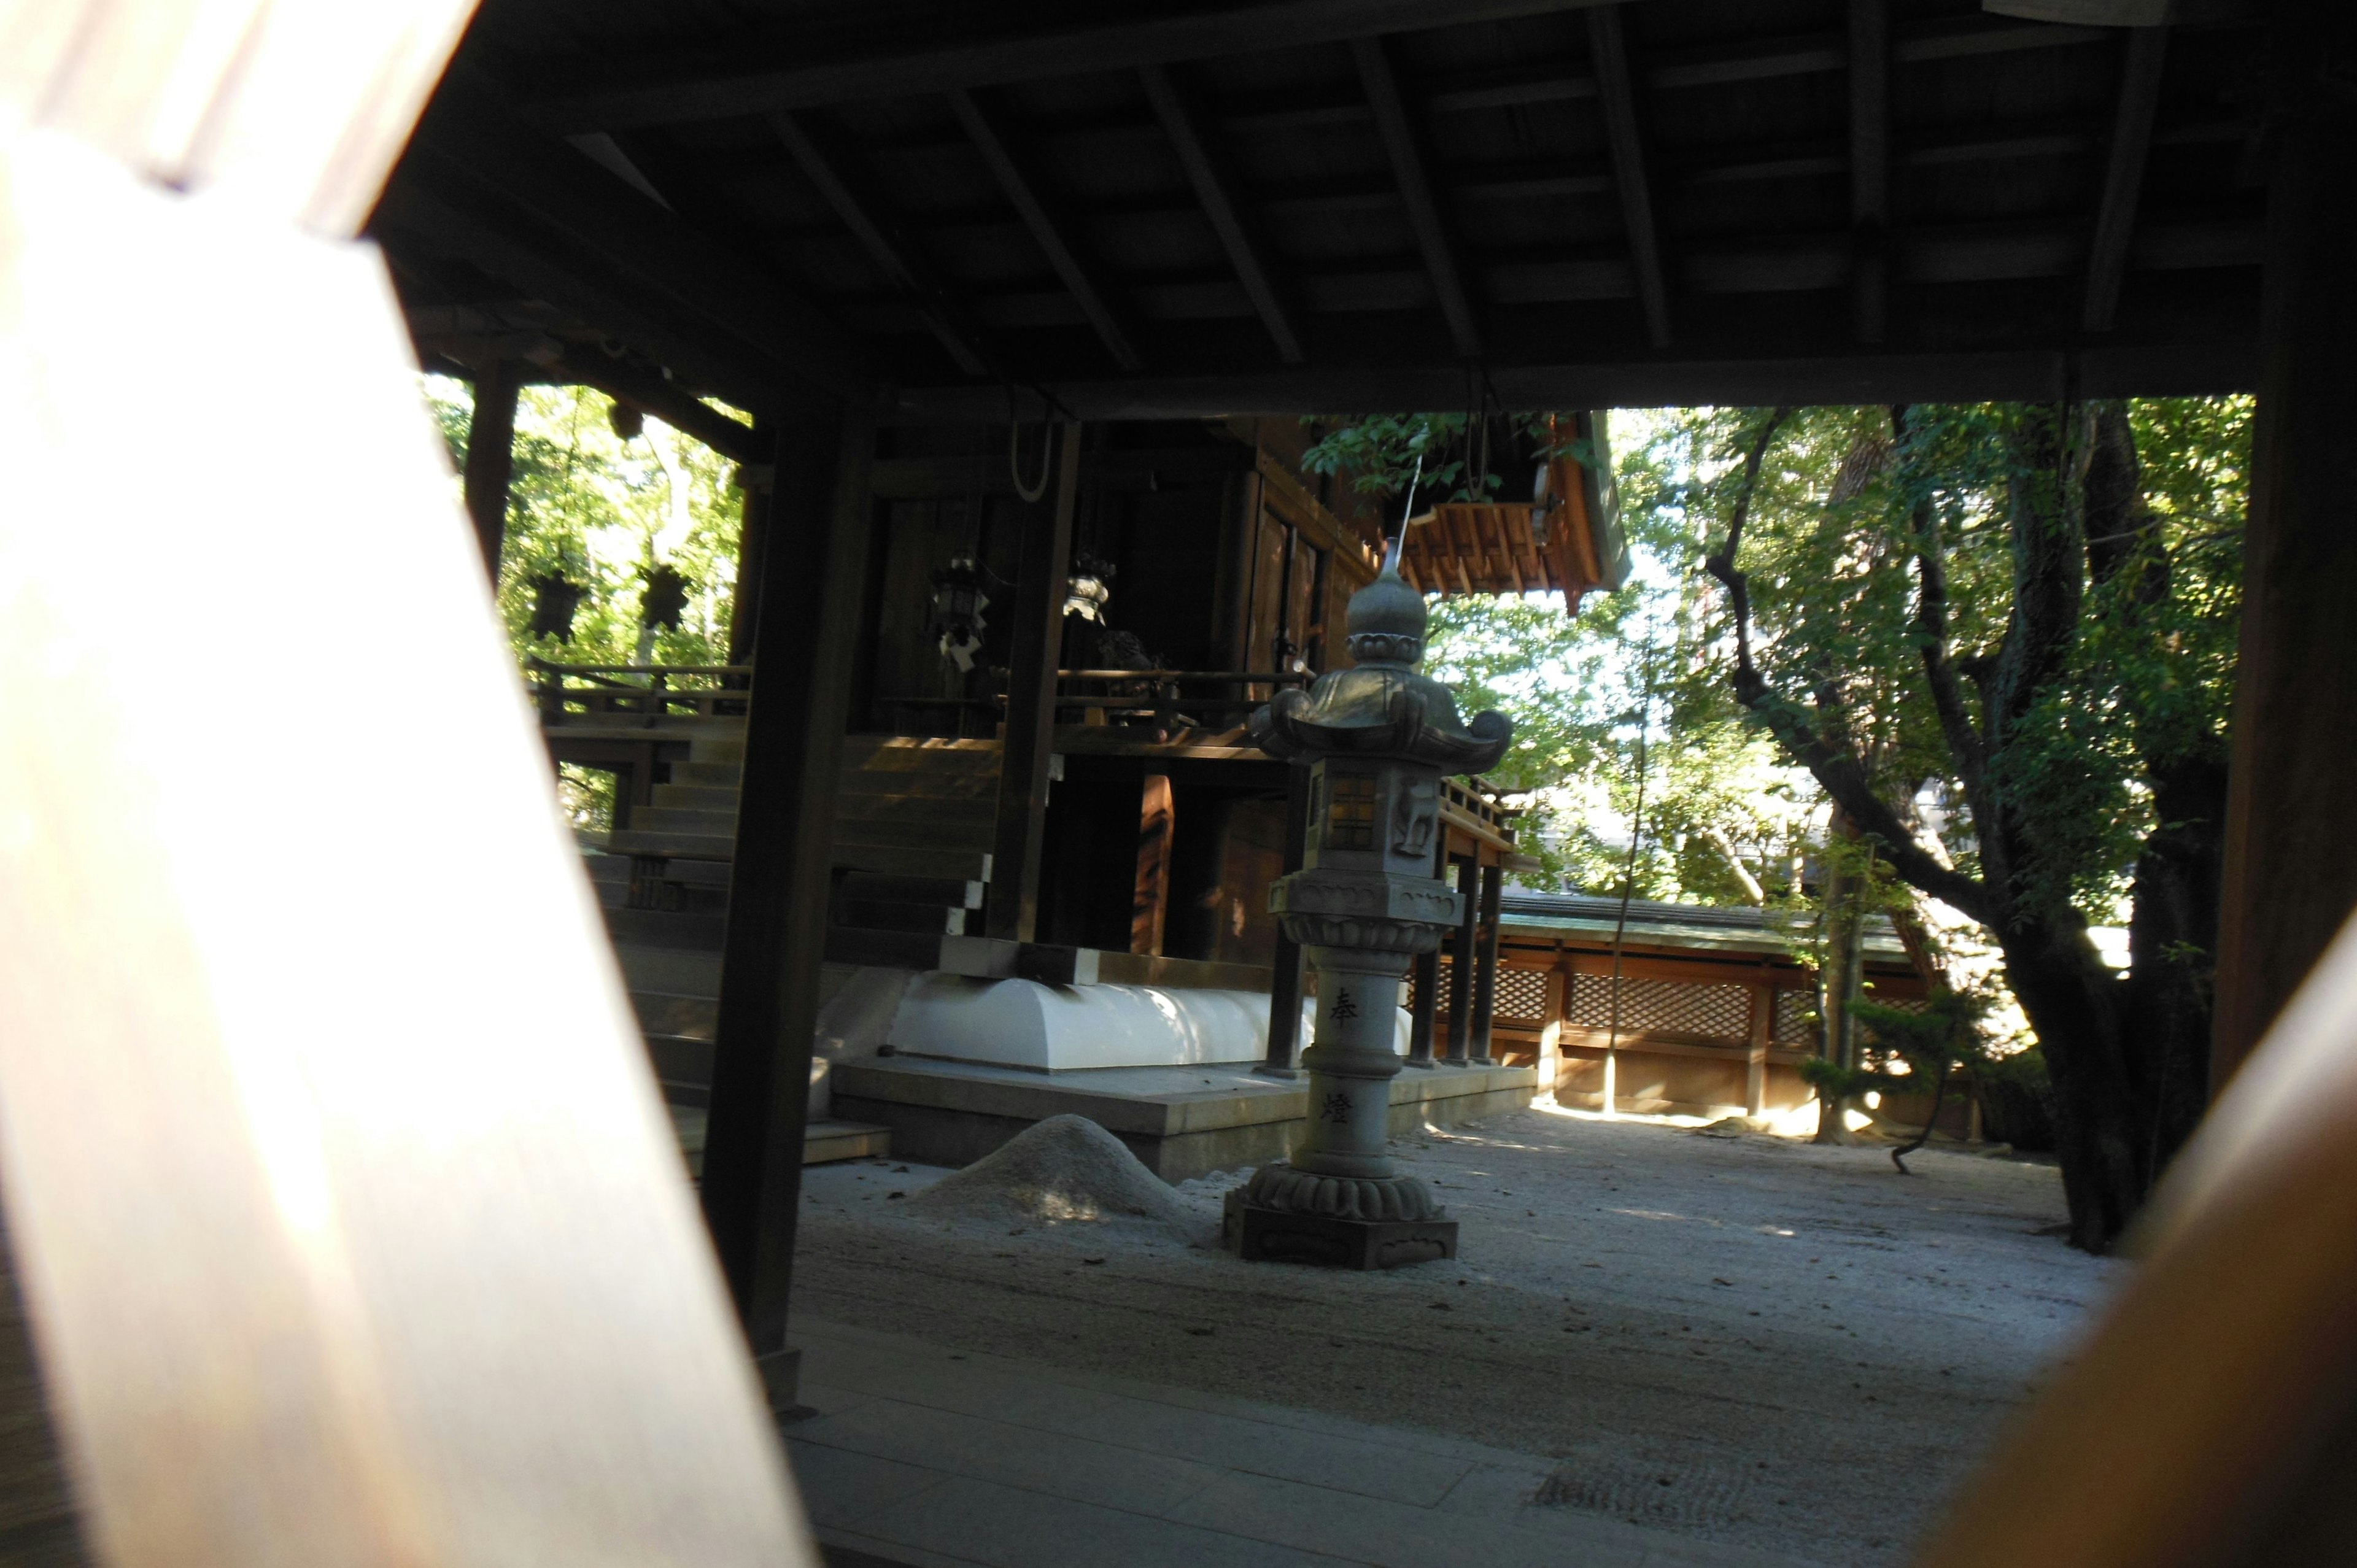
pixel 2172 954
pixel 2078 1009
pixel 1844 889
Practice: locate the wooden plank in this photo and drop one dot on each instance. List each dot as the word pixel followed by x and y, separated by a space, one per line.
pixel 1616 96
pixel 1869 164
pixel 2146 53
pixel 886 67
pixel 583 221
pixel 1037 624
pixel 297 1301
pixel 647 390
pixel 1049 228
pixel 490 458
pixel 1215 189
pixel 779 875
pixel 301 106
pixel 1404 146
pixel 896 253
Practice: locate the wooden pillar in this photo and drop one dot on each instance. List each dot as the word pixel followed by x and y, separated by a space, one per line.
pixel 756 487
pixel 1754 1058
pixel 2291 859
pixel 1284 991
pixel 780 880
pixel 1550 1061
pixel 1461 964
pixel 1149 902
pixel 490 456
pixel 1039 628
pixel 1485 965
pixel 1426 1005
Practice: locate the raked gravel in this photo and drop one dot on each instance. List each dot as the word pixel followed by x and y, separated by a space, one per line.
pixel 1746 1337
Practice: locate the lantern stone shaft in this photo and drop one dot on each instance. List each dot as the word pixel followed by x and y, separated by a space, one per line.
pixel 1378 738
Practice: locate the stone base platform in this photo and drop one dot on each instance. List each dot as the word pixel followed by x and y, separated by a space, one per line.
pixel 1181 1122
pixel 1274 1236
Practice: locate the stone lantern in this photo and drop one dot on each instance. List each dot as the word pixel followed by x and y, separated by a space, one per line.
pixel 1377 738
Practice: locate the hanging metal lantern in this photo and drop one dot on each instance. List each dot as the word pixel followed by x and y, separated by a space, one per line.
pixel 628 421
pixel 955 613
pixel 665 600
pixel 554 601
pixel 1086 590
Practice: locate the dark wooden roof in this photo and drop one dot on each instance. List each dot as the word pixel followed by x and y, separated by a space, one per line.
pixel 1163 210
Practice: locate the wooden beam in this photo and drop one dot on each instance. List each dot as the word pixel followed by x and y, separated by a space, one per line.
pixel 878 62
pixel 1869 166
pixel 585 230
pixel 898 255
pixel 2139 101
pixel 647 390
pixel 1047 228
pixel 1039 628
pixel 1208 172
pixel 1616 96
pixel 2227 364
pixel 1404 146
pixel 813 575
pixel 490 458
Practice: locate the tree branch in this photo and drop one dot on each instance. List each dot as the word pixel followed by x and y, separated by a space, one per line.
pixel 1839 772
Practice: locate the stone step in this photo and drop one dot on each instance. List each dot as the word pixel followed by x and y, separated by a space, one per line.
pixel 672 972
pixel 918 756
pixel 681 1017
pixel 697 797
pixel 911 834
pixel 936 919
pixel 720 774
pixel 942 892
pixel 687 846
pixel 683 1066
pixel 727 748
pixel 681 930
pixel 980 812
pixel 883 950
pixel 925 786
pixel 675 820
pixel 823 1141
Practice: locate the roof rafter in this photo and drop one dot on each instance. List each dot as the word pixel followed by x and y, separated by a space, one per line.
pixel 880 65
pixel 1215 185
pixel 2139 103
pixel 893 252
pixel 1047 227
pixel 1869 164
pixel 1403 147
pixel 1616 96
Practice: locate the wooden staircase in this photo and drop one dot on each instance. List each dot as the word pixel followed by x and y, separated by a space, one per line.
pixel 914 820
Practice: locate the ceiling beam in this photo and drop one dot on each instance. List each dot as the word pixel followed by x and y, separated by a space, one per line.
pixel 1047 228
pixel 1869 164
pixel 1215 189
pixel 2027 375
pixel 881 64
pixel 901 261
pixel 520 205
pixel 647 390
pixel 1616 96
pixel 2115 215
pixel 1403 145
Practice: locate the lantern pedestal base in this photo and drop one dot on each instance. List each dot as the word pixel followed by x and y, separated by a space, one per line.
pixel 1276 1236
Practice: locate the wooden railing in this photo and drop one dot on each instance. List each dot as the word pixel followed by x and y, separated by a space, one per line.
pixel 1216 699
pixel 643 694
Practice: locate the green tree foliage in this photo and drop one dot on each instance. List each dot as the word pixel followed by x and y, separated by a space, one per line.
pixel 587 506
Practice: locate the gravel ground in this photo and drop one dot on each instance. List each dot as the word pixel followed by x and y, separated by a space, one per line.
pixel 1745 1338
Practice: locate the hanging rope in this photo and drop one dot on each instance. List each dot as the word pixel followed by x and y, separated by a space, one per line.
pixel 1030 493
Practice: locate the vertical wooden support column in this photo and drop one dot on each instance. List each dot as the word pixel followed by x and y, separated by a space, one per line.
pixel 1284 991
pixel 778 889
pixel 1485 965
pixel 2291 861
pixel 1550 1061
pixel 756 487
pixel 1149 903
pixel 1039 627
pixel 1426 1005
pixel 1461 964
pixel 1754 1058
pixel 490 456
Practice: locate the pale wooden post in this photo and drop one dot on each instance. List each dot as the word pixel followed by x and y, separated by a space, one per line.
pixel 1755 1059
